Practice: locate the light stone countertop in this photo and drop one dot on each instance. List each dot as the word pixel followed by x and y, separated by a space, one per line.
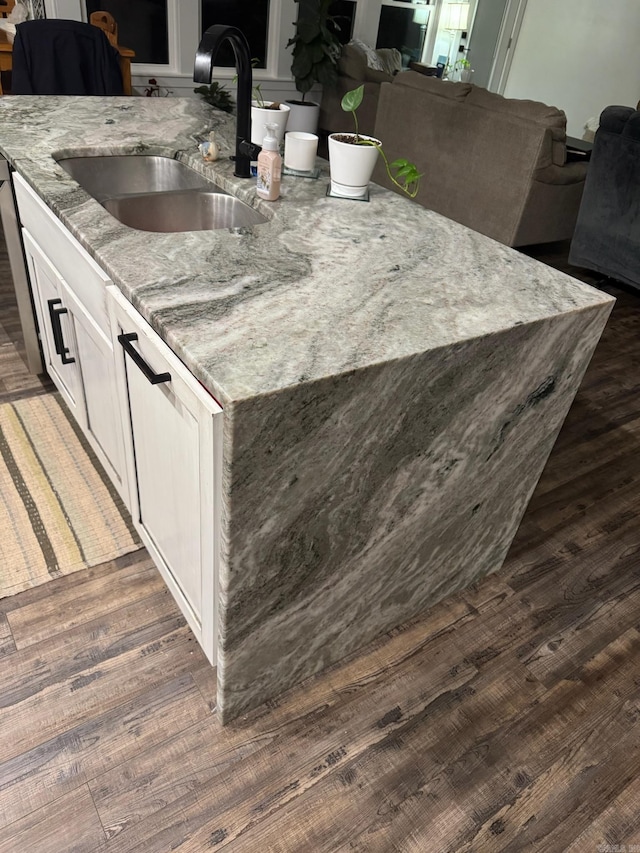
pixel 392 384
pixel 323 288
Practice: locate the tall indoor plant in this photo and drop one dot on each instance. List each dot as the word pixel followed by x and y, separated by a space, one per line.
pixel 316 51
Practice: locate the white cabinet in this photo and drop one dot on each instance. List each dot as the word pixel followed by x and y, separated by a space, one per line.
pixel 56 329
pixel 155 429
pixel 74 330
pixel 173 436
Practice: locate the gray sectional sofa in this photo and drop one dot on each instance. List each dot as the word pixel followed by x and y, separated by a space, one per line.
pixel 495 164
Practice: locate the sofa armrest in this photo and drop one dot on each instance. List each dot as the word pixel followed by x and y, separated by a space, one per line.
pixel 373 76
pixel 570 173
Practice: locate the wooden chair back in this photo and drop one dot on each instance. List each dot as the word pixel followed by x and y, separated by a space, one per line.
pixel 6 7
pixel 107 23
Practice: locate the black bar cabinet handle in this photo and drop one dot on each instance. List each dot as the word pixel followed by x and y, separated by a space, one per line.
pixel 56 327
pixel 154 378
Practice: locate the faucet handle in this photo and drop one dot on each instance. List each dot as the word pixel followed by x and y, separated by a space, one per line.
pixel 249 149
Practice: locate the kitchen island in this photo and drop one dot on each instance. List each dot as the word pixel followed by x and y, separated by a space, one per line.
pixel 392 383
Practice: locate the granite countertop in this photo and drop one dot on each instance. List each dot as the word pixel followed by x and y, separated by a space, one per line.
pixel 392 381
pixel 324 287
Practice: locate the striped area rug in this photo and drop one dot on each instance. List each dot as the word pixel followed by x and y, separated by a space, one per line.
pixel 58 512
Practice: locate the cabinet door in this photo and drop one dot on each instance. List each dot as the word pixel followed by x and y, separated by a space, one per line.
pixel 174 448
pixel 56 327
pixel 79 358
pixel 101 419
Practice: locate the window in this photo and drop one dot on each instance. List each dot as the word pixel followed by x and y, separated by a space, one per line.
pixel 165 33
pixel 401 28
pixel 343 13
pixel 250 16
pixel 142 26
pixel 402 24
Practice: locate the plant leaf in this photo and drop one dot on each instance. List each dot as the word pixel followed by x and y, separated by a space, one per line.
pixel 352 100
pixel 308 29
pixel 325 73
pixel 315 51
pixel 301 65
pixel 405 171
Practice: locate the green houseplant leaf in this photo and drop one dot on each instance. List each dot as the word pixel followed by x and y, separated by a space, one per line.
pixel 302 65
pixel 352 100
pixel 217 95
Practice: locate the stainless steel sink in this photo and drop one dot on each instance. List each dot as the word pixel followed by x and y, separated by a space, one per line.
pixel 152 193
pixel 196 210
pixel 106 177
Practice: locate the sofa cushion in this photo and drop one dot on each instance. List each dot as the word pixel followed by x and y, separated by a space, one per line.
pixel 371 57
pixel 353 64
pixel 534 111
pixel 391 59
pixel 433 85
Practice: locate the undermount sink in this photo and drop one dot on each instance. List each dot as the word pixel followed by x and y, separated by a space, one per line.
pixel 153 193
pixel 108 176
pixel 195 210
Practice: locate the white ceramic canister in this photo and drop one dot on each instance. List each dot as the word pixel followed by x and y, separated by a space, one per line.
pixel 303 116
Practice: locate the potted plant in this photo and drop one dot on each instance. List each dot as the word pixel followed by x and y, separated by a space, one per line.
pixel 353 156
pixel 217 95
pixel 266 112
pixel 463 70
pixel 316 51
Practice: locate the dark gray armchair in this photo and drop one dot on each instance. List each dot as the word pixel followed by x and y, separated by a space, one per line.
pixel 607 234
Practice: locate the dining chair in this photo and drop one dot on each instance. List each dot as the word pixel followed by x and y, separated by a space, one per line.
pixel 60 57
pixel 109 26
pixel 6 7
pixel 6 39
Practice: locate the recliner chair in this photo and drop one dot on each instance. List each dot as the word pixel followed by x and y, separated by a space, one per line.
pixel 59 57
pixel 607 234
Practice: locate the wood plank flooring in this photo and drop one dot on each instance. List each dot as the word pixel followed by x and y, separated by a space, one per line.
pixel 505 719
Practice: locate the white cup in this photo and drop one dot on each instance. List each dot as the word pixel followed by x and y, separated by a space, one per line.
pixel 300 150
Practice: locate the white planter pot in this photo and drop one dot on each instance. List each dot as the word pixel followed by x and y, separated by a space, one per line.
pixel 351 166
pixel 260 117
pixel 303 116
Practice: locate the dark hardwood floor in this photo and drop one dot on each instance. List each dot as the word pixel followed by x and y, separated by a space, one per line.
pixel 505 719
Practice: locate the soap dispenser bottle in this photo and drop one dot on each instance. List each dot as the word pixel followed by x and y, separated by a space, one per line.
pixel 269 166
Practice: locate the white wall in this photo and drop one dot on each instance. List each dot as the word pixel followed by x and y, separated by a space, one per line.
pixel 70 9
pixel 578 55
